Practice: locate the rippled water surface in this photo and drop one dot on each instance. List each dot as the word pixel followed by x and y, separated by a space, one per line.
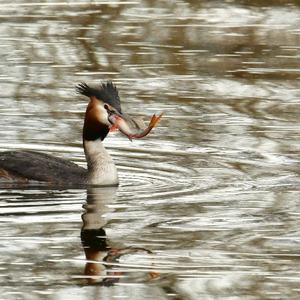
pixel 208 205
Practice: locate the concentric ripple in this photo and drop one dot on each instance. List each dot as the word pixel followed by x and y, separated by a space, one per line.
pixel 152 176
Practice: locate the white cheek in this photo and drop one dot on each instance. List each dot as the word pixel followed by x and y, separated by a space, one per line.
pixel 102 115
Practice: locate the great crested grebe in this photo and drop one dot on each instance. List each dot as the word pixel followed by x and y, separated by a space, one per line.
pixel 103 114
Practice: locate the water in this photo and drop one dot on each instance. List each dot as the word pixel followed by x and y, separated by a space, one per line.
pixel 208 205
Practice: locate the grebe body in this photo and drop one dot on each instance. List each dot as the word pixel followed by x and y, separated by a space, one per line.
pixel 28 166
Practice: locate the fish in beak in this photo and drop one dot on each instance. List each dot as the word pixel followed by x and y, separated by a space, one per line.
pixel 133 128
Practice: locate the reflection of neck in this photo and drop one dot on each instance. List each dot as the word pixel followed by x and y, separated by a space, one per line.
pixel 93 236
pixel 101 168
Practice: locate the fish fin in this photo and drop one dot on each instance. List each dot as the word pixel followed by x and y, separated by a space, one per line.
pixel 154 120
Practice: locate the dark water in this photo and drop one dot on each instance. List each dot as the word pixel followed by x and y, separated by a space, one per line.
pixel 213 192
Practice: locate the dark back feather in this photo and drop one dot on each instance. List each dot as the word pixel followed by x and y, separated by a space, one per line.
pixel 43 167
pixel 107 92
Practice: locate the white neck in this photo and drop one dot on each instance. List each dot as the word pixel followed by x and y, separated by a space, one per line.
pixel 101 168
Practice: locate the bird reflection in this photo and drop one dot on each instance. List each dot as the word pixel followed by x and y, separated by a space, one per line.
pixel 102 260
pixel 95 246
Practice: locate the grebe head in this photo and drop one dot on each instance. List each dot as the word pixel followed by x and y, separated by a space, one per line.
pixel 104 101
pixel 104 114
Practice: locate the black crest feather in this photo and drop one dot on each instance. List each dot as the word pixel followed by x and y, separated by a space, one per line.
pixel 107 92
